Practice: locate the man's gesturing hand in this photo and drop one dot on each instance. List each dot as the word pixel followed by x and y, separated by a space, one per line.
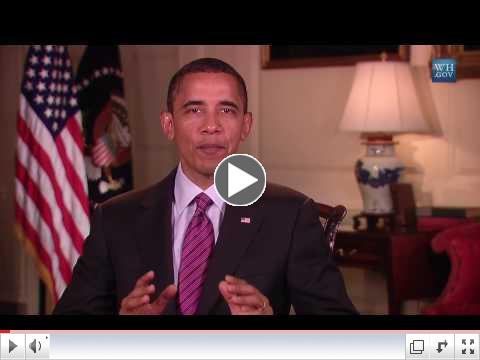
pixel 138 301
pixel 243 298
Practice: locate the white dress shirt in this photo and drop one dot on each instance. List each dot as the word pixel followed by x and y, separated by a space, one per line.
pixel 184 207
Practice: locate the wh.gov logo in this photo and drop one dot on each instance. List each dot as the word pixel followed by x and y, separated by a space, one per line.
pixel 444 70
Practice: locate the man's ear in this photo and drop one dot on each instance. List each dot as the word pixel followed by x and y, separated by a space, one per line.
pixel 246 126
pixel 166 120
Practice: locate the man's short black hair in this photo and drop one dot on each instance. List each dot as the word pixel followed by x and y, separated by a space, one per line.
pixel 205 65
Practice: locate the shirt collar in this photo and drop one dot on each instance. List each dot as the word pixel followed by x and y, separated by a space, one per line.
pixel 186 190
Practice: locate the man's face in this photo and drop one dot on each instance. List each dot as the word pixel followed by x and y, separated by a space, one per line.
pixel 208 122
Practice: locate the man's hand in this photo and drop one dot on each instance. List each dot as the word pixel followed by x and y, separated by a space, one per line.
pixel 243 298
pixel 138 301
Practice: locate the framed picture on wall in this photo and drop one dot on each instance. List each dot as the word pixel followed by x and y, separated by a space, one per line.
pixel 295 56
pixel 467 56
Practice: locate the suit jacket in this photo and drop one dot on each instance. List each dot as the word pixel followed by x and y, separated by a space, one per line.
pixel 282 252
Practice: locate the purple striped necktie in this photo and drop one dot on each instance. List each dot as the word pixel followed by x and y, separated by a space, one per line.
pixel 196 250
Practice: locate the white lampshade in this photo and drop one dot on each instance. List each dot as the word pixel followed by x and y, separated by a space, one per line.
pixel 383 99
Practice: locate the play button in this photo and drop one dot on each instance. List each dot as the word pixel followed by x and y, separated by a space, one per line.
pixel 11 346
pixel 240 180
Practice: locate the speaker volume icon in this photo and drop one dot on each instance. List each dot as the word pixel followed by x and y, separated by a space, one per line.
pixel 35 346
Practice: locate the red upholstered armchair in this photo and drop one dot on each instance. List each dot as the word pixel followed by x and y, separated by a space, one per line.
pixel 461 295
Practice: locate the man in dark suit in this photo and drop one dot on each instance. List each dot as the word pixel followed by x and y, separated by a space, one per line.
pixel 177 248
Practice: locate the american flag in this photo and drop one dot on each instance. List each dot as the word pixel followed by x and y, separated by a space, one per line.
pixel 51 200
pixel 103 153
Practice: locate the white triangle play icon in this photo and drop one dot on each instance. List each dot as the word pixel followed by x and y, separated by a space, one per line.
pixel 238 180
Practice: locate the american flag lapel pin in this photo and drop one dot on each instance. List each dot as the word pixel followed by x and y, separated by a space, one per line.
pixel 245 220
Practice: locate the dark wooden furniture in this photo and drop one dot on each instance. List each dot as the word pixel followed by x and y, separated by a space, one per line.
pixel 331 218
pixel 11 308
pixel 413 271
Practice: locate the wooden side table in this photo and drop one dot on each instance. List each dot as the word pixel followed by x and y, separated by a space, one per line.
pixel 411 268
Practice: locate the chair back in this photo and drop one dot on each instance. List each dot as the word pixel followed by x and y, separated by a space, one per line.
pixel 331 218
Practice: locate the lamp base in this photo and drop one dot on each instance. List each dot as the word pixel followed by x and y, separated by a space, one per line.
pixel 375 172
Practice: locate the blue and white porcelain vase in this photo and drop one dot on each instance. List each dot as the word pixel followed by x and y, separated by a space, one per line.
pixel 375 172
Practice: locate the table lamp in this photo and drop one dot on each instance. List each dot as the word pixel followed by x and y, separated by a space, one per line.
pixel 383 102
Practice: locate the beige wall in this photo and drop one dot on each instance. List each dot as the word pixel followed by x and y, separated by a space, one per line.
pixel 303 107
pixel 296 112
pixel 19 279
